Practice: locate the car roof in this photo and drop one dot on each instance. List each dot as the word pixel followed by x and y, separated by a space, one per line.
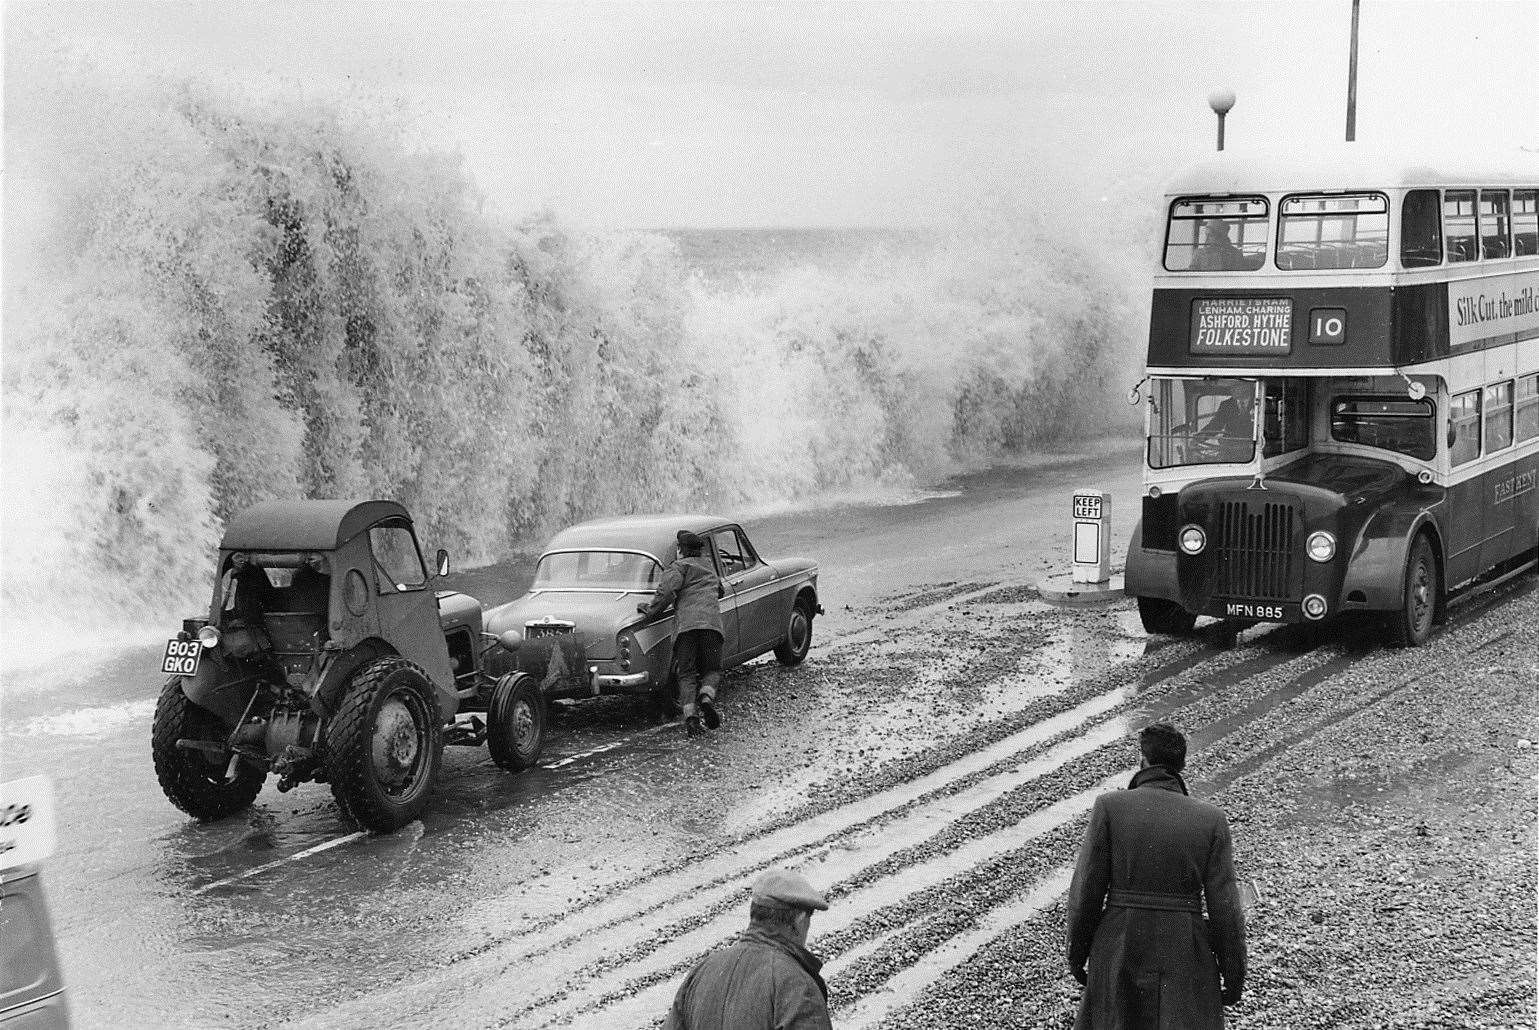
pixel 304 525
pixel 651 534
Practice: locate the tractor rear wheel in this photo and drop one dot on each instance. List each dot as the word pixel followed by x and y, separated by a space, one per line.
pixel 385 744
pixel 193 780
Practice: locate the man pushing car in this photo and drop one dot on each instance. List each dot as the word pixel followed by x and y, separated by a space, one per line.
pixel 694 589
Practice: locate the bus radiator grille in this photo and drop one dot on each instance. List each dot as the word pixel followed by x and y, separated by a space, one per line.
pixel 1255 549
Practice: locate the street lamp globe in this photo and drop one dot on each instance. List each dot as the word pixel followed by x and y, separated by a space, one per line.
pixel 1221 100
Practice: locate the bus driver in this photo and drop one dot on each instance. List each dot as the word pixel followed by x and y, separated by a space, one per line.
pixel 1235 417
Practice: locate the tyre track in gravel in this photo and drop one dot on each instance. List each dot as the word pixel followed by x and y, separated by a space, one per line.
pixel 1001 780
pixel 631 1008
pixel 865 893
pixel 872 1005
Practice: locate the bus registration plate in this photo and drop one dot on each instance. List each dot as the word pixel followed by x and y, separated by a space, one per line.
pixel 1242 325
pixel 1261 611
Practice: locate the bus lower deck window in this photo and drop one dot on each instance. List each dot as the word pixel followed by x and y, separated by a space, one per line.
pixel 1498 416
pixel 1392 423
pixel 1464 427
pixel 1525 410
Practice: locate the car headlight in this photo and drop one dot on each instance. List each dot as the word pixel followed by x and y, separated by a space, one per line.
pixel 208 636
pixel 1193 539
pixel 1321 546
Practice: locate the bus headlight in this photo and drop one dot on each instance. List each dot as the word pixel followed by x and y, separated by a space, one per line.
pixel 1193 539
pixel 1321 546
pixel 1314 607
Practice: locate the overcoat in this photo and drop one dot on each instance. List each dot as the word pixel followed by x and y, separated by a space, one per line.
pixel 694 589
pixel 764 981
pixel 1151 855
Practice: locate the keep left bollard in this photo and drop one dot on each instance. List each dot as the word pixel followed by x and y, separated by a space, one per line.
pixel 1092 536
pixel 1089 580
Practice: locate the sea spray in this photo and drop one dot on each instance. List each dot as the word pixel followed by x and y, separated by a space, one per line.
pixel 269 299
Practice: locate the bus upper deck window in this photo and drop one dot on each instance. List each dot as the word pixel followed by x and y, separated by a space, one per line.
pixel 1216 234
pixel 1459 224
pixel 1495 216
pixel 1525 222
pixel 1421 238
pixel 1333 231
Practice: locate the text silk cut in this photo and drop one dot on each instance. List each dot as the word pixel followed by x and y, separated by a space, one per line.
pixel 1150 857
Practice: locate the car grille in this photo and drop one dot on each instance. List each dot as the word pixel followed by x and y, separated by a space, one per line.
pixel 1255 549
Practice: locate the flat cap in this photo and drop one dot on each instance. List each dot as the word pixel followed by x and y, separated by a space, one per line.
pixel 788 888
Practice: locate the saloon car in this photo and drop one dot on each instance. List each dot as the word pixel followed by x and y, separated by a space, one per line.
pixel 577 632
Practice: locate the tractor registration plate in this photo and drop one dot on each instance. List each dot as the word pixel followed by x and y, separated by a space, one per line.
pixel 535 629
pixel 182 657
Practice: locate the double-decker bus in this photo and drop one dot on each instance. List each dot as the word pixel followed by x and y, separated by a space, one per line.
pixel 1342 389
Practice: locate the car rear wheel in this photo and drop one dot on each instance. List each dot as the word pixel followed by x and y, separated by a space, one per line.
pixel 1165 617
pixel 515 722
pixel 384 745
pixel 192 780
pixel 798 639
pixel 1412 624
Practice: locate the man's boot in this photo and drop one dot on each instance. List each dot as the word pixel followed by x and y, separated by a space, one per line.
pixel 708 710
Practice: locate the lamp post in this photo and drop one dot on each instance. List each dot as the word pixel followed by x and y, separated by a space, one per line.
pixel 1221 101
pixel 1352 81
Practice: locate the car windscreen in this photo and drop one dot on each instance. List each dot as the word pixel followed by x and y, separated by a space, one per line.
pixel 598 570
pixel 1393 423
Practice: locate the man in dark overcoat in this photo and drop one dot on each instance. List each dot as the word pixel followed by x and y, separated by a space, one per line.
pixel 767 979
pixel 1137 939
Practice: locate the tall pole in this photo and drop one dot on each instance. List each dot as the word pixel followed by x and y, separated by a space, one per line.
pixel 1351 80
pixel 1221 101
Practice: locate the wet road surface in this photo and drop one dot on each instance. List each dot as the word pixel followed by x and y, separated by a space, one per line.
pixel 947 723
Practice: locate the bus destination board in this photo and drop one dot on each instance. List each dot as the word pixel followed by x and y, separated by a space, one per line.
pixel 1241 325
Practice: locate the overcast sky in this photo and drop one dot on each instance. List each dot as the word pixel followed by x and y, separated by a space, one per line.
pixel 750 114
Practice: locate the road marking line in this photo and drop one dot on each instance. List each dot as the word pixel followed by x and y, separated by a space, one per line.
pixel 327 846
pixel 628 738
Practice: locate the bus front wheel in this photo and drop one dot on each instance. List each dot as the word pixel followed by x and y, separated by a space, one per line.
pixel 1165 617
pixel 1412 624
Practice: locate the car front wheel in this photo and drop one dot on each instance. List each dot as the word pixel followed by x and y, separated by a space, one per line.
pixel 798 638
pixel 384 745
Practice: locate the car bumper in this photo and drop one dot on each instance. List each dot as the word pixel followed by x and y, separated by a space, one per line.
pixel 602 682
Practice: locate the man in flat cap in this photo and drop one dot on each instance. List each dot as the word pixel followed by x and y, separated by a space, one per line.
pixel 691 585
pixel 767 979
pixel 1151 857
